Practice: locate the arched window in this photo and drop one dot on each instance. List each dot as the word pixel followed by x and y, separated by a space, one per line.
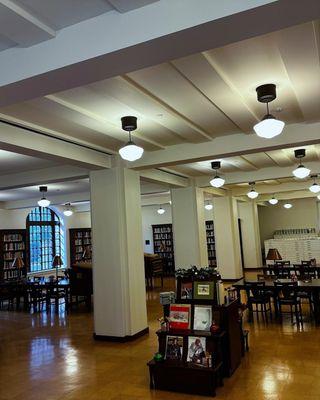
pixel 45 237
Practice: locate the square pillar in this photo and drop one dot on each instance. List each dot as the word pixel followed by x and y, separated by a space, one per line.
pixel 251 244
pixel 189 231
pixel 227 239
pixel 118 263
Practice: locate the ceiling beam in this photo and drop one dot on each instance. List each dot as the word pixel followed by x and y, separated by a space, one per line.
pixel 274 189
pixel 262 174
pixel 140 38
pixel 28 142
pixel 55 200
pixel 42 176
pixel 168 178
pixel 229 146
pixel 296 194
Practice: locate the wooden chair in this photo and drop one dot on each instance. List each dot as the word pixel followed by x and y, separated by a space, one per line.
pixel 154 267
pixel 287 295
pixel 257 295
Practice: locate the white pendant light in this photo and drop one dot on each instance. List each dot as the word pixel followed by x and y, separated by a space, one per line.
pixel 130 152
pixel 315 187
pixel 287 205
pixel 269 126
pixel 68 210
pixel 43 202
pixel 273 201
pixel 161 211
pixel 208 206
pixel 216 181
pixel 301 171
pixel 252 194
pixel 318 196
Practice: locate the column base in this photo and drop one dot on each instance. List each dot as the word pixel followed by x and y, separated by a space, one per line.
pixel 121 339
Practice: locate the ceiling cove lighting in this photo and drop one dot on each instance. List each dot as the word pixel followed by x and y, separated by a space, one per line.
pixel 161 210
pixel 252 194
pixel 287 205
pixel 43 202
pixel 269 126
pixel 315 187
pixel 68 210
pixel 208 206
pixel 301 171
pixel 217 181
pixel 130 152
pixel 273 201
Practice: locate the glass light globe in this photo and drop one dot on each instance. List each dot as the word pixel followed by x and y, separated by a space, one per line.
pixel 287 205
pixel 252 194
pixel 131 152
pixel 44 202
pixel 161 211
pixel 318 196
pixel 269 127
pixel 68 213
pixel 273 201
pixel 208 207
pixel 314 188
pixel 217 182
pixel 301 172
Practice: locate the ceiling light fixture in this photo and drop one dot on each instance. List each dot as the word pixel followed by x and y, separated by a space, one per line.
pixel 68 210
pixel 318 196
pixel 315 187
pixel 273 201
pixel 208 206
pixel 130 152
pixel 287 205
pixel 217 181
pixel 160 210
pixel 252 194
pixel 301 171
pixel 43 202
pixel 269 126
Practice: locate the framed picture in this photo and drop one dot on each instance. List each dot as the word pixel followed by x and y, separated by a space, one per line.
pixel 180 316
pixel 186 290
pixel 174 348
pixel 202 318
pixel 196 350
pixel 203 290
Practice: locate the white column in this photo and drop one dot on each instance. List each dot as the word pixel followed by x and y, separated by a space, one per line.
pixel 189 231
pixel 118 265
pixel 227 239
pixel 251 244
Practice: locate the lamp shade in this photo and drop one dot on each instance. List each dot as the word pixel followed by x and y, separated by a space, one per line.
pixel 273 254
pixel 18 263
pixel 57 261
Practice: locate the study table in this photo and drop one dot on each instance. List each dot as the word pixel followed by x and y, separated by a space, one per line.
pixel 312 286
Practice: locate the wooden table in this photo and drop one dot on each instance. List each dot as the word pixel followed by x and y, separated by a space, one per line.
pixel 312 287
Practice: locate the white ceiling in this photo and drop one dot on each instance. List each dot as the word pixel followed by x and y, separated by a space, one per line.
pixel 27 22
pixel 190 100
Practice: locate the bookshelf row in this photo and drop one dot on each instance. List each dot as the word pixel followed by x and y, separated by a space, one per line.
pixel 163 244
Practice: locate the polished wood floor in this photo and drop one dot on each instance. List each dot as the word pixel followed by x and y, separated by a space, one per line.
pixel 50 357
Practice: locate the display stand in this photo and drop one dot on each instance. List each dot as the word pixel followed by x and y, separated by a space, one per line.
pixel 223 345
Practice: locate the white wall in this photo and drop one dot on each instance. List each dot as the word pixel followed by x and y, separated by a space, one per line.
pixel 303 214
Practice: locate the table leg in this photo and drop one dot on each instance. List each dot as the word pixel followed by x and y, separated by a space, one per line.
pixel 316 305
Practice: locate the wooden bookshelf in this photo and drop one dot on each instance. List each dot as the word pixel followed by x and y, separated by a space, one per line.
pixel 163 245
pixel 80 245
pixel 212 260
pixel 12 245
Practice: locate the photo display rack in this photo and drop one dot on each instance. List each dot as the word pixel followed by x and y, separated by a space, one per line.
pixel 220 351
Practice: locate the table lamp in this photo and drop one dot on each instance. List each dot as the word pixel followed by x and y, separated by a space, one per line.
pixel 273 254
pixel 18 263
pixel 57 262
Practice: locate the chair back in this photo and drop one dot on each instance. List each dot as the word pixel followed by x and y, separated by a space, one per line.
pixel 157 266
pixel 306 262
pixel 283 263
pixel 254 289
pixel 286 290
